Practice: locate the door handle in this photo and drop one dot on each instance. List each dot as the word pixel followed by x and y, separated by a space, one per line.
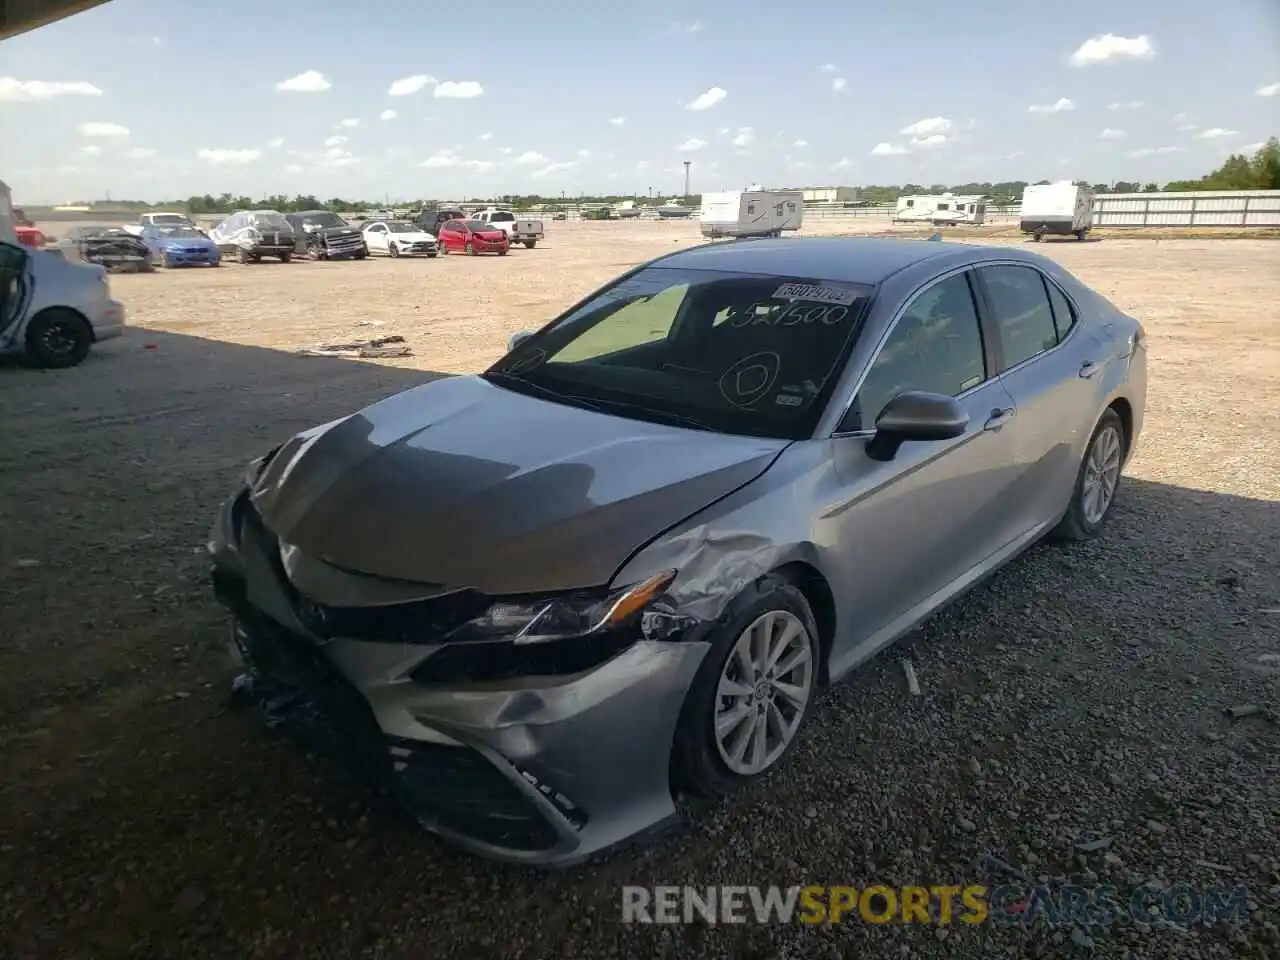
pixel 1089 368
pixel 998 418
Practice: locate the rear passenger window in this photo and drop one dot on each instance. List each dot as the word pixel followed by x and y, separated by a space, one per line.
pixel 1063 315
pixel 1021 310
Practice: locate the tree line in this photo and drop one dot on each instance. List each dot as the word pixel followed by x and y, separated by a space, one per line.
pixel 1238 172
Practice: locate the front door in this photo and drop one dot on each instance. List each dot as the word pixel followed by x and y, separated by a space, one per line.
pixel 908 532
pixel 14 287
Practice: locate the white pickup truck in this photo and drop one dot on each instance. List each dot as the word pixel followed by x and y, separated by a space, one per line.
pixel 528 232
pixel 159 219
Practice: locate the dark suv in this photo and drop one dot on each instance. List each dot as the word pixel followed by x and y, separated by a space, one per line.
pixel 324 235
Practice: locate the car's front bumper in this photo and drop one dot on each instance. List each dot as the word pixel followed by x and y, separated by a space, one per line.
pixel 540 770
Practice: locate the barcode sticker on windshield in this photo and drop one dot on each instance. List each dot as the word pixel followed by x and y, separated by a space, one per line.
pixel 815 294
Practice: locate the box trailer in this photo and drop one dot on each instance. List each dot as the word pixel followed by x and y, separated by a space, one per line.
pixel 751 213
pixel 8 229
pixel 1062 209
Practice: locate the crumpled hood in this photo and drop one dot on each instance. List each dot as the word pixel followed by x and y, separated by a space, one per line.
pixel 466 484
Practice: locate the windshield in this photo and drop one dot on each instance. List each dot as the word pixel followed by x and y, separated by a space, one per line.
pixel 178 232
pixel 480 226
pixel 401 226
pixel 323 220
pixel 737 353
pixel 273 220
pixel 160 219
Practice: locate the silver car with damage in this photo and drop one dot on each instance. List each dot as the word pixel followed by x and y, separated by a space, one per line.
pixel 620 564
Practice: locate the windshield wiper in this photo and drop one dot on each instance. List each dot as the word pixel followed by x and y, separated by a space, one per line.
pixel 521 384
pixel 675 419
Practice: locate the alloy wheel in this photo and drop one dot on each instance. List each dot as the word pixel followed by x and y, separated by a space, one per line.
pixel 1101 474
pixel 764 690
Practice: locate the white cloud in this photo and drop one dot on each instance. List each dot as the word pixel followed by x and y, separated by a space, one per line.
pixel 743 138
pixel 1251 147
pixel 91 150
pixel 485 136
pixel 843 164
pixel 141 153
pixel 1152 151
pixel 13 90
pixel 506 151
pixel 350 122
pixel 229 157
pixel 1216 133
pixel 309 81
pixel 1110 134
pixel 530 158
pixel 457 90
pixel 1270 90
pixel 617 121
pixel 1108 46
pixel 584 154
pixel 925 128
pixel 827 68
pixel 693 143
pixel 887 150
pixel 1060 105
pixel 112 130
pixel 838 84
pixel 935 140
pixel 440 161
pixel 553 168
pixel 387 115
pixel 276 144
pixel 1130 105
pixel 335 140
pixel 337 153
pixel 707 100
pixel 691 28
pixel 480 165
pixel 410 85
pixel 801 143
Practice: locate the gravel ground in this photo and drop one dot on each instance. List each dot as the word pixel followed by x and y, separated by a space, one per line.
pixel 1077 697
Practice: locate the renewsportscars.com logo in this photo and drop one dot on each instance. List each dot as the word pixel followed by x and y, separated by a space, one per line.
pixel 970 905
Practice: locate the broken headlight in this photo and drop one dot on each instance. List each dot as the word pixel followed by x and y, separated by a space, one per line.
pixel 561 618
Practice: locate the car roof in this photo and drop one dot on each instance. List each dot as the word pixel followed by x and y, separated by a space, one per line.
pixel 867 260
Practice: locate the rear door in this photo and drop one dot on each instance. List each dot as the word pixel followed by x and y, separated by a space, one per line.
pixel 1046 367
pixel 15 288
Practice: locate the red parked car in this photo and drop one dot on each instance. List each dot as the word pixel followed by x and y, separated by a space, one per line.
pixel 30 236
pixel 473 237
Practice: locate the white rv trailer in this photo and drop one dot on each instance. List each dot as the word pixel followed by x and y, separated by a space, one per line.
pixel 944 209
pixel 952 211
pixel 1062 208
pixel 8 233
pixel 751 213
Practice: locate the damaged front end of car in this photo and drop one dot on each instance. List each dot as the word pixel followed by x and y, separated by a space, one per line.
pixel 534 729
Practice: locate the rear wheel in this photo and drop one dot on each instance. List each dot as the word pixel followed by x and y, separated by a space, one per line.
pixel 530 244
pixel 753 691
pixel 1080 234
pixel 1097 481
pixel 286 257
pixel 243 256
pixel 58 338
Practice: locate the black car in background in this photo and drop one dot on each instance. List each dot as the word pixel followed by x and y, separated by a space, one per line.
pixel 111 247
pixel 324 235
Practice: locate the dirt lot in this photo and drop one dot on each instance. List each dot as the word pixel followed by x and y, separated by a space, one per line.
pixel 1080 695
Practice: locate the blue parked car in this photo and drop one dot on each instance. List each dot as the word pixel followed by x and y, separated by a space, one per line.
pixel 174 246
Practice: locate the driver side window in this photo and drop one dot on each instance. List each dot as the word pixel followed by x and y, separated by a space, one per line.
pixel 935 346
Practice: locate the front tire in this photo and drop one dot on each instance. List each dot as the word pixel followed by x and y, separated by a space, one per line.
pixel 1097 482
pixel 243 256
pixel 471 251
pixel 393 251
pixel 752 693
pixel 286 257
pixel 58 338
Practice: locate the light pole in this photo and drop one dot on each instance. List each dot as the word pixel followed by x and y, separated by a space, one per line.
pixel 687 164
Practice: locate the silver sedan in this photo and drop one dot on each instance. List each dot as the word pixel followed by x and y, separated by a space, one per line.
pixel 621 563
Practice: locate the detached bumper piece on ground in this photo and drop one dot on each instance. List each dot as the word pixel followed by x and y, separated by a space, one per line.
pixel 380 348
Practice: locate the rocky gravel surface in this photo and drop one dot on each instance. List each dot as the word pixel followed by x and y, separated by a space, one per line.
pixel 1099 714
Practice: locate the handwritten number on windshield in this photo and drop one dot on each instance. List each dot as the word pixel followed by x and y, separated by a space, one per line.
pixel 795 314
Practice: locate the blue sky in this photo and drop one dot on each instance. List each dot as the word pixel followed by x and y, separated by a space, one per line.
pixel 157 99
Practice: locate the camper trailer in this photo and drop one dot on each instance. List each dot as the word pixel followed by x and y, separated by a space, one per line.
pixel 952 211
pixel 915 209
pixel 626 210
pixel 8 228
pixel 751 213
pixel 1062 209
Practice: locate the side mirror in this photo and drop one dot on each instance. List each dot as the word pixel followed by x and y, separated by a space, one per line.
pixel 915 415
pixel 517 339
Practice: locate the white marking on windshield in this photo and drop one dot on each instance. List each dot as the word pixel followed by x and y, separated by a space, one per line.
pixel 815 293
